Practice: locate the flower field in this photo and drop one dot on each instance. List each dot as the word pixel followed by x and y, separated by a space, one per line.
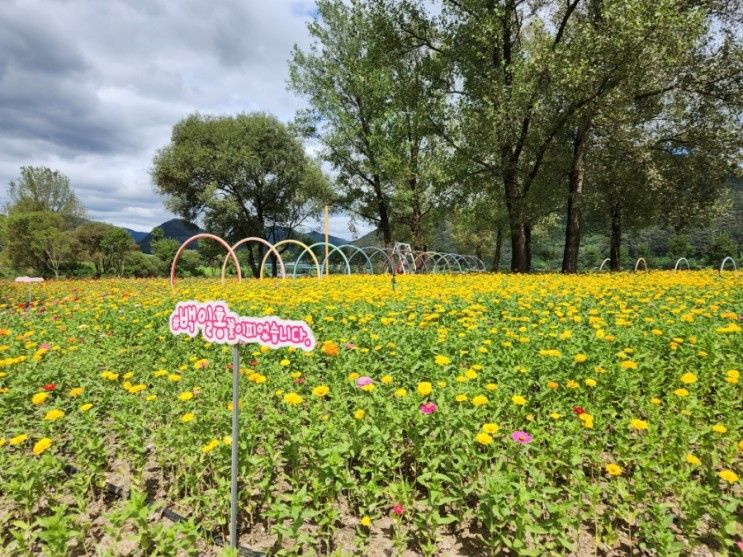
pixel 455 415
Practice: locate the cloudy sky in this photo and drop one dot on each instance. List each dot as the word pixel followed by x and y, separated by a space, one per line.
pixel 92 88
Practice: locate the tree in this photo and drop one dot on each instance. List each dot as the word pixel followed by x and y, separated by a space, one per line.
pixel 164 248
pixel 373 88
pixel 43 189
pixel 38 240
pixel 116 244
pixel 89 237
pixel 246 175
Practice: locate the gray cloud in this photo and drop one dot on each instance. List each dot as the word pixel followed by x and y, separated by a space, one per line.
pixel 93 88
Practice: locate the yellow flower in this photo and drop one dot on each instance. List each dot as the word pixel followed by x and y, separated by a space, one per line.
pixel 580 358
pixel 41 445
pixel 2 441
pixel 483 438
pixel 227 440
pixel 555 416
pixel 285 363
pixel 491 386
pixel 424 388
pixel 628 364
pixel 613 469
pixel 187 417
pixel 150 397
pixel 186 395
pixel 39 398
pixel 639 425
pixel 490 428
pixel 740 445
pixel 553 384
pixel 688 378
pixel 691 459
pixel 320 391
pixel 587 420
pixel 470 374
pixel 681 393
pixel 518 400
pixel 353 376
pixel 160 373
pixel 53 415
pixel 365 521
pixel 442 360
pixel 732 376
pixel 719 428
pixel 729 476
pixel 479 400
pixel 18 439
pixel 330 348
pixel 461 398
pixel 76 392
pixel 656 401
pixel 386 380
pixel 201 364
pixel 359 414
pixel 174 377
pixel 399 393
pixel 293 399
pixel 550 353
pixel 85 407
pixel 571 384
pixel 210 446
pixel 590 382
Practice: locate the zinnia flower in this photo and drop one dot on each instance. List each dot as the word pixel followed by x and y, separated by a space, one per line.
pixel 521 437
pixel 329 348
pixel 186 395
pixel 442 360
pixel 578 410
pixel 359 414
pixel 424 388
pixel 693 460
pixel 49 387
pixel 483 438
pixel 18 439
pixel 39 398
pixel 479 400
pixel 398 509
pixel 688 378
pixel 189 416
pixel 293 399
pixel 53 415
pixel 729 476
pixel 613 469
pixel 41 445
pixel 363 381
pixel 320 391
pixel 518 400
pixel 490 427
pixel 428 408
pixel 638 424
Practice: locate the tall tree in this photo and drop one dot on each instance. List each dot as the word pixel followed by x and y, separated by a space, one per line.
pixel 42 189
pixel 116 244
pixel 246 175
pixel 38 240
pixel 89 237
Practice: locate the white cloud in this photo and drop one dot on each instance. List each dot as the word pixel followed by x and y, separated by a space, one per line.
pixel 94 88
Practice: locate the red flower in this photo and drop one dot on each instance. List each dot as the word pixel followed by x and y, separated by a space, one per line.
pixel 578 410
pixel 397 509
pixel 253 363
pixel 49 387
pixel 299 380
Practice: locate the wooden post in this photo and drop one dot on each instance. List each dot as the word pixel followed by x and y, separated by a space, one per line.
pixel 327 235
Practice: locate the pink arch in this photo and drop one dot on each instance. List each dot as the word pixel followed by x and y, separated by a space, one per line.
pixel 266 243
pixel 225 245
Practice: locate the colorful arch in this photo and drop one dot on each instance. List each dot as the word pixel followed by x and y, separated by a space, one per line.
pixel 722 265
pixel 296 243
pixel 322 267
pixel 645 264
pixel 680 259
pixel 266 243
pixel 206 236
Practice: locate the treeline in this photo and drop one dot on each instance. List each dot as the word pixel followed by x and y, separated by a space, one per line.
pixel 490 117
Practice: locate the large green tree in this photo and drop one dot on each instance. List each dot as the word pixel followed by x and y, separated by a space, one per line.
pixel 39 188
pixel 374 85
pixel 245 175
pixel 39 240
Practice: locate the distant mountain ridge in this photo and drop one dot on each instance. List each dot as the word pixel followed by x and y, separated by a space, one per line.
pixel 181 230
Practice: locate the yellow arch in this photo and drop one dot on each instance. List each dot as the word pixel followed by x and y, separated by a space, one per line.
pixel 271 249
pixel 297 243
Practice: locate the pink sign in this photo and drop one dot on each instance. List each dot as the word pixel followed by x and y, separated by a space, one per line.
pixel 218 324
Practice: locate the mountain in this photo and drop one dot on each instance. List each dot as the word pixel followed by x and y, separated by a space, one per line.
pixel 177 229
pixel 136 235
pixel 180 229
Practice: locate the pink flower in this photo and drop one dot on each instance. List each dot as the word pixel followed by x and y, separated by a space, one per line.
pixel 521 437
pixel 44 346
pixel 398 509
pixel 364 380
pixel 740 545
pixel 350 346
pixel 428 408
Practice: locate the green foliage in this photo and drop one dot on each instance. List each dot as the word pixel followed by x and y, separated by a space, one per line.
pixel 38 241
pixel 43 189
pixel 244 174
pixel 116 244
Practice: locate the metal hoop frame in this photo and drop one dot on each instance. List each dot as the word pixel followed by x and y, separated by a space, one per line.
pixel 680 259
pixel 266 243
pixel 645 263
pixel 722 265
pixel 296 243
pixel 205 236
pixel 325 261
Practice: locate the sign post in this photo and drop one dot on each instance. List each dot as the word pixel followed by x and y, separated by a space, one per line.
pixel 233 445
pixel 216 323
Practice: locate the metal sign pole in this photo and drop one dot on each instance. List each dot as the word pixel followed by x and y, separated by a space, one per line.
pixel 235 407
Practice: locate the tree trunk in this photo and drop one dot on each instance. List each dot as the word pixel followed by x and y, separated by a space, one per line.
pixel 251 261
pixel 498 248
pixel 575 190
pixel 616 237
pixel 520 231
